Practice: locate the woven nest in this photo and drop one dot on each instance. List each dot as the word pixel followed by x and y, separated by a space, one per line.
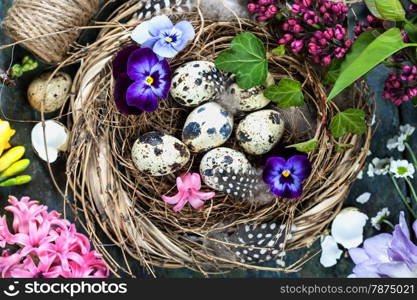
pixel 112 196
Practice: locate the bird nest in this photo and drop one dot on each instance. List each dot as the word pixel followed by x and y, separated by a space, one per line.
pixel 112 196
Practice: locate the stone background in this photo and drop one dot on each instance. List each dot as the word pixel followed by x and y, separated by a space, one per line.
pixel 15 108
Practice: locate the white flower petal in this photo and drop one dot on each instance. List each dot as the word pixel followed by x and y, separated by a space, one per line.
pixel 347 227
pixel 55 136
pixel 330 252
pixel 362 199
pixel 141 33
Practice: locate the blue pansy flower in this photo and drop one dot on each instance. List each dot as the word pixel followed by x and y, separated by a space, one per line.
pixel 163 37
pixel 285 177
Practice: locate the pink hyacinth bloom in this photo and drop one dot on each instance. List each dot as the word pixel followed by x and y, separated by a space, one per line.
pixel 189 186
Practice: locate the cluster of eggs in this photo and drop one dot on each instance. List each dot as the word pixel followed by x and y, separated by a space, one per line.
pixel 198 84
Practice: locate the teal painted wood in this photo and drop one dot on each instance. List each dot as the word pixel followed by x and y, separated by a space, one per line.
pixel 15 108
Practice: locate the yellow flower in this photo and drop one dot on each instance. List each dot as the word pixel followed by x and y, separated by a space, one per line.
pixel 5 134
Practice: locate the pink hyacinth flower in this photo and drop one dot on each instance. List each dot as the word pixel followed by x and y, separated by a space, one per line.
pixel 189 186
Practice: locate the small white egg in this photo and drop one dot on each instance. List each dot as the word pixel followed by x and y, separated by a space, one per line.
pixel 222 158
pixel 158 154
pixel 196 82
pixel 252 99
pixel 208 126
pixel 260 131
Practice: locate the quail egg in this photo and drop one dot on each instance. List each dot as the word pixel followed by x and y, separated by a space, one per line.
pixel 158 154
pixel 208 126
pixel 222 158
pixel 252 99
pixel 260 131
pixel 49 94
pixel 196 82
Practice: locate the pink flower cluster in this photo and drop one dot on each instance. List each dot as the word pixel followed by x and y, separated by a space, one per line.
pixel 316 26
pixel 263 9
pixel 371 23
pixel 401 86
pixel 43 245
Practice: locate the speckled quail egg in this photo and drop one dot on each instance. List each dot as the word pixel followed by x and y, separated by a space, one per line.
pixel 196 82
pixel 260 131
pixel 52 93
pixel 158 154
pixel 207 126
pixel 252 99
pixel 222 158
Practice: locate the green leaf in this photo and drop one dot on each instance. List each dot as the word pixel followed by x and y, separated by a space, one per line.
pixel 348 121
pixel 246 59
pixel 414 101
pixel 372 8
pixel 372 55
pixel 411 30
pixel 343 147
pixel 332 72
pixel 287 93
pixel 391 10
pixel 280 50
pixel 308 146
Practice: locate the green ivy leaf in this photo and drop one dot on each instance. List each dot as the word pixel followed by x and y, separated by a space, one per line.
pixel 371 4
pixel 372 55
pixel 343 147
pixel 332 72
pixel 348 121
pixel 287 93
pixel 308 146
pixel 246 59
pixel 390 10
pixel 280 50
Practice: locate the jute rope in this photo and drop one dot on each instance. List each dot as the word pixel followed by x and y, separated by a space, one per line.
pixel 49 26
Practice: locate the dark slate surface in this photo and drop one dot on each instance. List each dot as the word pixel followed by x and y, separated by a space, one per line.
pixel 15 108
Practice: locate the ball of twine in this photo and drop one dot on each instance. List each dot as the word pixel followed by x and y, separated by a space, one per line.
pixel 48 27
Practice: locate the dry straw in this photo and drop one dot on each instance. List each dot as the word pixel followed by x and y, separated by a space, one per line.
pixel 111 196
pixel 49 28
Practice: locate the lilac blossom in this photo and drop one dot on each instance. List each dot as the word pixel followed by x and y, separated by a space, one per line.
pixel 387 255
pixel 401 85
pixel 263 9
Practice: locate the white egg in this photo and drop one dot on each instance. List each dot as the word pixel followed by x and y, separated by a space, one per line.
pixel 158 154
pixel 196 82
pixel 208 126
pixel 260 131
pixel 222 158
pixel 252 99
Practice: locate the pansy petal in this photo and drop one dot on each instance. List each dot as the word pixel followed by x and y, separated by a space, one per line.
pixel 159 23
pixel 164 49
pixel 119 65
pixel 120 89
pixel 403 225
pixel 377 246
pixel 396 270
pixel 300 166
pixel 358 255
pixel 141 33
pixel 141 97
pixel 140 63
pixel 415 228
pixel 275 163
pixel 365 270
pixel 164 81
pixel 186 29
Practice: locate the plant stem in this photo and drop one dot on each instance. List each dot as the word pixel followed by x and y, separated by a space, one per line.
pixel 413 191
pixel 388 223
pixel 413 156
pixel 400 193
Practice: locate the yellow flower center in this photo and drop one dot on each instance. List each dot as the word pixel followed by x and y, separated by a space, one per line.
pixel 149 80
pixel 286 173
pixel 169 39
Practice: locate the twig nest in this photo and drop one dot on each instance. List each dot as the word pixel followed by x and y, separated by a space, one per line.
pixel 196 82
pixel 55 136
pixel 222 159
pixel 347 227
pixel 158 154
pixel 52 93
pixel 260 131
pixel 252 99
pixel 208 126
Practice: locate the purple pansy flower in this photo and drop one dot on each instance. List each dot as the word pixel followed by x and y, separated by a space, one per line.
pixel 140 80
pixel 286 177
pixel 387 255
pixel 165 39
